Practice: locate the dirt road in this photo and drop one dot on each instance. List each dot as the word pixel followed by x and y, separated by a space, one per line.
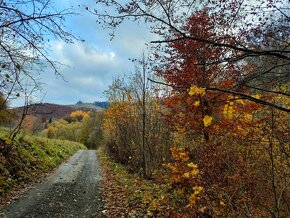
pixel 72 191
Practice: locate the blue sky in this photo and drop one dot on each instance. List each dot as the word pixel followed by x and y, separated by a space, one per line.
pixel 90 65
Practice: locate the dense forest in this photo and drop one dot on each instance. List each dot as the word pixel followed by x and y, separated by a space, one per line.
pixel 204 116
pixel 207 111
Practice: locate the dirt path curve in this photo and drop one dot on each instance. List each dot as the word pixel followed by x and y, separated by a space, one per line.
pixel 72 191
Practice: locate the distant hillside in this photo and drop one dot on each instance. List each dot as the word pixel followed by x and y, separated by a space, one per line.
pixel 49 111
pixel 103 104
pixel 86 107
pixel 55 111
pixel 97 104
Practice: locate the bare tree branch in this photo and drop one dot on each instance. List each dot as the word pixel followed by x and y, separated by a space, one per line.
pixel 248 97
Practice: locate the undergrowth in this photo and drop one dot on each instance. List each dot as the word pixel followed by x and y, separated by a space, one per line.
pixel 129 195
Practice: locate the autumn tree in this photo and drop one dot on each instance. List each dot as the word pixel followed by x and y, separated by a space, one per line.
pixel 79 115
pixel 92 133
pixel 227 63
pixel 237 126
pixel 32 124
pixel 185 68
pixel 242 29
pixel 80 126
pixel 134 130
pixel 61 129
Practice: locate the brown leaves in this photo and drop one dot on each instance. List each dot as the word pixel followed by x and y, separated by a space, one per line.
pixel 114 197
pixel 127 195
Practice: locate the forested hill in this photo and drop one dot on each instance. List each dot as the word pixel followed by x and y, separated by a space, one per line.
pixel 48 110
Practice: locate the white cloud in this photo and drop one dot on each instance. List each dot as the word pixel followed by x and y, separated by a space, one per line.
pixel 89 67
pixel 90 71
pixel 80 55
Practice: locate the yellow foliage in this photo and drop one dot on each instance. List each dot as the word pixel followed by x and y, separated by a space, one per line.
pixel 240 101
pixel 186 175
pixel 179 154
pixel 230 115
pixel 194 197
pixel 51 130
pixel 80 113
pixel 194 90
pixel 194 172
pixel 198 189
pixel 147 198
pixel 225 111
pixel 207 120
pixel 257 96
pixel 228 110
pixel 7 140
pixel 192 165
pixel 196 103
pixel 248 117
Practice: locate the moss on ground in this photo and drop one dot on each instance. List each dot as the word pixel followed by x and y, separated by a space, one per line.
pixel 29 156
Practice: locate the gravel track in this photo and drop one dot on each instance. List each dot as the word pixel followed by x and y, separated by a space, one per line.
pixel 72 191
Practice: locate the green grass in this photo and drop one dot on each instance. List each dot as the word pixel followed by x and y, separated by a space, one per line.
pixel 29 156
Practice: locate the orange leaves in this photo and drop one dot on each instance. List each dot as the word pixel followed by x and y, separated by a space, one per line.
pixel 179 154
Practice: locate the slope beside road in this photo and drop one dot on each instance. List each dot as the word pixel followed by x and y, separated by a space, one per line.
pixel 72 191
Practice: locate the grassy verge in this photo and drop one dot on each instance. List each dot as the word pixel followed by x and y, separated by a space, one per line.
pixel 128 195
pixel 29 156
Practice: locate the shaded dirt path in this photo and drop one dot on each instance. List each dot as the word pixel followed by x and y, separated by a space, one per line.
pixel 72 191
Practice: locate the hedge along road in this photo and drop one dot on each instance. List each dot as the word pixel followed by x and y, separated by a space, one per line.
pixel 72 191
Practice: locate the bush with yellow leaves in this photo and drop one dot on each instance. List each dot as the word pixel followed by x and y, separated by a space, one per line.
pixel 185 184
